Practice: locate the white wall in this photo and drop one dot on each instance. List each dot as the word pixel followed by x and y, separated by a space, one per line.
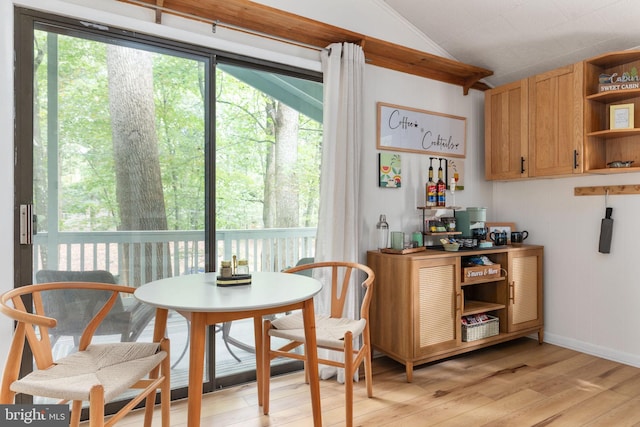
pixel 590 298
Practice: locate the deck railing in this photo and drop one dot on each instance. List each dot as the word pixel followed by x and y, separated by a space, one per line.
pixel 178 252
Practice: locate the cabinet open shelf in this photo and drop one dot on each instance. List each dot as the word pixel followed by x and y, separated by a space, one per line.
pixel 613 96
pixel 443 233
pixel 609 171
pixel 477 307
pixel 478 281
pixel 602 144
pixel 615 133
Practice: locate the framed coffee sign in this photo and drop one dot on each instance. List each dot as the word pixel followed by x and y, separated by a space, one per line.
pixel 420 131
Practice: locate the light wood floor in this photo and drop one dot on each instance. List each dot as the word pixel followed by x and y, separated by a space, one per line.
pixel 513 384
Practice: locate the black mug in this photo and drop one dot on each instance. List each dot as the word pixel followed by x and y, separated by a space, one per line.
pixel 499 237
pixel 518 237
pixel 479 233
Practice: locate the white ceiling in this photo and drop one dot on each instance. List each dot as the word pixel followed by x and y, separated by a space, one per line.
pixel 519 38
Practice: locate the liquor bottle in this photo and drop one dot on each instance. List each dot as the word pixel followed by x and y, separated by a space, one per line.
pixel 383 232
pixel 441 187
pixel 431 186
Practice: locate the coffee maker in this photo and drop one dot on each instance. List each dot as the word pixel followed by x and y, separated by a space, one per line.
pixel 472 223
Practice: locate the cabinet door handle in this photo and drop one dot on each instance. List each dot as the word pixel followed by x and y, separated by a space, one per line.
pixel 512 292
pixel 575 159
pixel 521 164
pixel 458 306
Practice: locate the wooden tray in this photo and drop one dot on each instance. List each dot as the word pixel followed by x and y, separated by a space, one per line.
pixel 403 251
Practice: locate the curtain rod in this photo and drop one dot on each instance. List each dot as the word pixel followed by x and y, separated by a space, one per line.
pixel 217 23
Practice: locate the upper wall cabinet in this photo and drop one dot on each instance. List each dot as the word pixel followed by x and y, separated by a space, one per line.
pixel 533 127
pixel 612 143
pixel 506 127
pixel 555 122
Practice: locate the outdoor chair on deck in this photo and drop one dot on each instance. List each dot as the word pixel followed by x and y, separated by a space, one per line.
pixel 334 331
pixel 96 373
pixel 74 307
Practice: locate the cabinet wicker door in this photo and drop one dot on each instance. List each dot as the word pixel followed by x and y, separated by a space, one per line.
pixel 438 304
pixel 525 290
pixel 506 131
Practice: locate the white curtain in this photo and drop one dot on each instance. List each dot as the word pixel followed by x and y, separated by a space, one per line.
pixel 338 223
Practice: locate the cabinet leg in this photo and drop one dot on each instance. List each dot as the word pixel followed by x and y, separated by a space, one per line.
pixel 540 336
pixel 409 370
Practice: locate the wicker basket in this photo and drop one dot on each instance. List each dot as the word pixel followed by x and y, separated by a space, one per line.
pixel 478 331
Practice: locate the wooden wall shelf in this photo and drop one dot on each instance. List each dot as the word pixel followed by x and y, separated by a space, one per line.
pixel 279 23
pixel 609 190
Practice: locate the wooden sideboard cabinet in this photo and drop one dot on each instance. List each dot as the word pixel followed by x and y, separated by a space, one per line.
pixel 419 300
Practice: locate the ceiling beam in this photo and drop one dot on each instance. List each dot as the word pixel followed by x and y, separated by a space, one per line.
pixel 278 23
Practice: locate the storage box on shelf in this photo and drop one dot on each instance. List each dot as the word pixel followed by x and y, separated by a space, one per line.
pixel 482 329
pixel 414 321
pixel 604 145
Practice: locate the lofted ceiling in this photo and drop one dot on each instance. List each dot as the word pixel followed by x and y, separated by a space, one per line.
pixel 484 43
pixel 519 38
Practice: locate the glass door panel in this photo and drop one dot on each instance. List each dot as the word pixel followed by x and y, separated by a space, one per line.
pixel 268 151
pixel 119 172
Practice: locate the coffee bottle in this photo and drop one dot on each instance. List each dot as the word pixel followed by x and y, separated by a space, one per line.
pixel 441 187
pixel 431 186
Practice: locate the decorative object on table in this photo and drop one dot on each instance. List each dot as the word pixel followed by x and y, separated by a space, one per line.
pixel 441 186
pixel 383 232
pixel 621 116
pixel 234 273
pixel 430 187
pixel 455 170
pixel 416 238
pixel 620 164
pixel 397 240
pixel 517 237
pixel 234 280
pixel 243 267
pixel 623 81
pixel 498 237
pixel 479 326
pixel 403 251
pixel 420 131
pixel 450 245
pixel 505 227
pixel 390 167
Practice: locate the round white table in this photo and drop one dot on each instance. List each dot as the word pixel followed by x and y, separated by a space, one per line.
pixel 198 298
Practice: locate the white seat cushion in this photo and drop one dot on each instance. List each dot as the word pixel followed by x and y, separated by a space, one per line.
pixel 329 331
pixel 114 366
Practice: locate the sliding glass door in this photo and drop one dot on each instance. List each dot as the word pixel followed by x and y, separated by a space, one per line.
pixel 118 149
pixel 118 172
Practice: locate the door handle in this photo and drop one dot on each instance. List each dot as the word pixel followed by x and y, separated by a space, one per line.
pixel 521 164
pixel 28 224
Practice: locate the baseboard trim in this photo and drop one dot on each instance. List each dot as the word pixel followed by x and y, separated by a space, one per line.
pixel 593 350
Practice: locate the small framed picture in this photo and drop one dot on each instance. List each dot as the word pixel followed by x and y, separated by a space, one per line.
pixel 621 116
pixel 496 227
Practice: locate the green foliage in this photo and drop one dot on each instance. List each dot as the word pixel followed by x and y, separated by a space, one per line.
pixel 81 128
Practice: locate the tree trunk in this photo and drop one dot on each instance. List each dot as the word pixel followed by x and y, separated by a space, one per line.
pixel 135 147
pixel 286 179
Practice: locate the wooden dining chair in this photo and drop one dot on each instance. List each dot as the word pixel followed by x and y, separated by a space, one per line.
pixel 334 331
pixel 96 373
